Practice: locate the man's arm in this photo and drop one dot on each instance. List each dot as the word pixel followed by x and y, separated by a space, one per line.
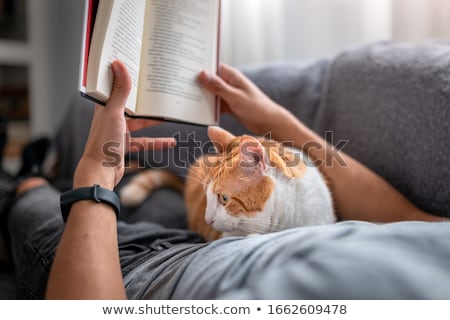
pixel 359 193
pixel 87 264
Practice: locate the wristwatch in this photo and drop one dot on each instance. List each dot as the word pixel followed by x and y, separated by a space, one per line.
pixel 95 193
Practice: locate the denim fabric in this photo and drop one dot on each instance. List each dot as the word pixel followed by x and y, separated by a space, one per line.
pixel 350 260
pixel 35 225
pixel 343 261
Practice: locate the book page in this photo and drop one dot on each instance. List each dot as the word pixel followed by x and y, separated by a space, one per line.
pixel 122 41
pixel 180 40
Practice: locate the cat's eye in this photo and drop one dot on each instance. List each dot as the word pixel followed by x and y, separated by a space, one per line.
pixel 223 199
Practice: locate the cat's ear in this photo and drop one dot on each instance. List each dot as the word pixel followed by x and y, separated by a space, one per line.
pixel 252 153
pixel 220 138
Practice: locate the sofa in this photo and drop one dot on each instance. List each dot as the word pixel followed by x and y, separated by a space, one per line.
pixel 387 104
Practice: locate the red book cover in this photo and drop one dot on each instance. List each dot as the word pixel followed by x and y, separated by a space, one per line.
pixel 91 12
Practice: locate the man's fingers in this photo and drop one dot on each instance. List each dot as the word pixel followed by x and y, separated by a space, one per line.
pixel 146 144
pixel 217 85
pixel 121 87
pixel 234 77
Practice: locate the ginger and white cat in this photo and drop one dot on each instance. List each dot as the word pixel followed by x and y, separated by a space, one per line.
pixel 251 186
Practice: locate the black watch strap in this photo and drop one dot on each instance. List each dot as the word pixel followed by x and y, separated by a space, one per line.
pixel 95 193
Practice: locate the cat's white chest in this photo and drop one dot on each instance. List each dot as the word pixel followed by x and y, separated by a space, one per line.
pixel 300 202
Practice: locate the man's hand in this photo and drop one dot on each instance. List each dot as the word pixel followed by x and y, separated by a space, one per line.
pixel 109 139
pixel 87 264
pixel 243 99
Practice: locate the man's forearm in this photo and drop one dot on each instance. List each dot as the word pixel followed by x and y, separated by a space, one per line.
pixel 87 263
pixel 359 193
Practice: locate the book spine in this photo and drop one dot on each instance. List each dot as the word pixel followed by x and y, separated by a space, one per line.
pixel 90 8
pixel 219 30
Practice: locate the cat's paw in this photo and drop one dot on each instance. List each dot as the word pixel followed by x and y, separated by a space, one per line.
pixel 132 195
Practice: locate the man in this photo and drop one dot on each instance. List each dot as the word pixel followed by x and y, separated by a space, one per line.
pixel 98 259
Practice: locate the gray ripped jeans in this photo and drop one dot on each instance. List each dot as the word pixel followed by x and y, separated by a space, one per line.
pixel 350 260
pixel 35 227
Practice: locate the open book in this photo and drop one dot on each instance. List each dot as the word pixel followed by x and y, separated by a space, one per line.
pixel 164 44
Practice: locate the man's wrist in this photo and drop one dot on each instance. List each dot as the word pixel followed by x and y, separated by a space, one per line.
pixel 282 123
pixel 88 174
pixel 95 193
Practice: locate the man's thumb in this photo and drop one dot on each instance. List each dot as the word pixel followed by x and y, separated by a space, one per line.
pixel 121 86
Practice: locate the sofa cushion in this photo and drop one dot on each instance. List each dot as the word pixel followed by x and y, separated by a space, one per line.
pixel 391 101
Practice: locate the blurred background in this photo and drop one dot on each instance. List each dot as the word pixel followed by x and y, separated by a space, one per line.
pixel 40 43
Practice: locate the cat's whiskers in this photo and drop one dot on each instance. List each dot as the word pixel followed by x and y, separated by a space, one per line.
pixel 269 226
pixel 271 223
pixel 254 230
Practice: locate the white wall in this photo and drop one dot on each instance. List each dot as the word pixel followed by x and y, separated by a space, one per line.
pixel 420 20
pixel 254 31
pixel 251 30
pixel 257 31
